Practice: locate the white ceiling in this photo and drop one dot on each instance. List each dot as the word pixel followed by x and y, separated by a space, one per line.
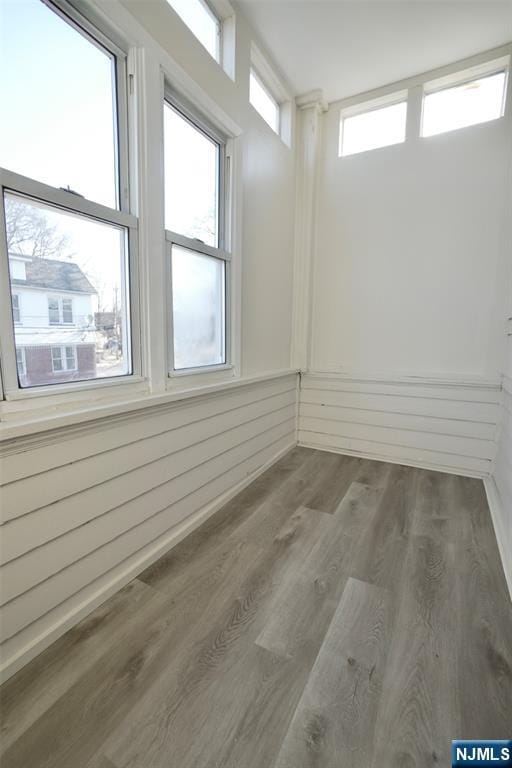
pixel 347 47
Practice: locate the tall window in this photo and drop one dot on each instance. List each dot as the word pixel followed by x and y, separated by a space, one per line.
pixel 16 312
pixel 64 190
pixel 195 231
pixel 202 22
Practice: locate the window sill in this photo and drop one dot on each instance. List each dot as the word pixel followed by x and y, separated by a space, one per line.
pixel 18 423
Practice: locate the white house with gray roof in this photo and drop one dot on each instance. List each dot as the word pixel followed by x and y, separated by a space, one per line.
pixel 53 316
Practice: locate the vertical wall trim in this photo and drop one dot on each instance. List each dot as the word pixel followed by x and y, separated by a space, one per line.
pixel 310 107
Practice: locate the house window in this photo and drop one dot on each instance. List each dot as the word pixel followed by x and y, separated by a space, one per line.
pixel 20 361
pixel 67 311
pixel 263 101
pixel 199 259
pixel 202 22
pixel 16 314
pixel 60 311
pixel 64 359
pixel 474 101
pixel 66 208
pixel 372 126
pixel 53 312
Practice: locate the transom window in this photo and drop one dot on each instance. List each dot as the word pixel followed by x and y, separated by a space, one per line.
pixel 372 126
pixel 202 22
pixel 64 189
pixel 199 260
pixel 474 101
pixel 263 101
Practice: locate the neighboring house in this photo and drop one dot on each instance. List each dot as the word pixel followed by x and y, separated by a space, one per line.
pixel 53 320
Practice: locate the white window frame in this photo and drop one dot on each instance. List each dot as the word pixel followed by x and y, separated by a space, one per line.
pixel 464 77
pixel 122 216
pixel 224 238
pixel 64 358
pixel 365 107
pixel 21 365
pixel 16 310
pixel 60 308
pixel 276 88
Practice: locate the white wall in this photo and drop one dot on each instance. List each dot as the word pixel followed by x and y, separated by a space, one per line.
pixel 410 239
pixel 268 187
pixel 409 269
pixel 109 480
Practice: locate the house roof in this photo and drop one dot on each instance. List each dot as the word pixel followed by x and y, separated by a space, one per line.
pixel 56 276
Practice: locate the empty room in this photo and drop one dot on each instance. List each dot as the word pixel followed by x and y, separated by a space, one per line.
pixel 255 383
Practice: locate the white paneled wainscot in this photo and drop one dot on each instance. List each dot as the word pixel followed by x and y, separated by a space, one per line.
pixel 86 508
pixel 447 426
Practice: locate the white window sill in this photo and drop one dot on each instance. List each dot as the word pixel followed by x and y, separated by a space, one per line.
pixel 18 422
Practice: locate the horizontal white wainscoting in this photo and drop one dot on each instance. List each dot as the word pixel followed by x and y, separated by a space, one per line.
pixel 499 486
pixel 446 426
pixel 84 509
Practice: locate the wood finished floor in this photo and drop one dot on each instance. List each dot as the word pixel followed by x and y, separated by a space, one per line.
pixel 338 613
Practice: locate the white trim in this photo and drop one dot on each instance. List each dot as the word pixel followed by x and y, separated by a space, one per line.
pixel 19 425
pixel 129 572
pixel 274 85
pixel 498 512
pixel 467 75
pixel 418 80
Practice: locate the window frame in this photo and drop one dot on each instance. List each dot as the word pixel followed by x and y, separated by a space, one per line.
pixel 64 357
pixel 223 251
pixel 253 72
pixel 16 310
pixel 121 216
pixel 460 79
pixel 367 107
pixel 22 362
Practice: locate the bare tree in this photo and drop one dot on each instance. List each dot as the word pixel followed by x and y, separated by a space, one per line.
pixel 30 233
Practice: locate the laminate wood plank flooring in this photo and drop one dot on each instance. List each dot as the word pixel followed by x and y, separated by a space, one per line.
pixel 338 613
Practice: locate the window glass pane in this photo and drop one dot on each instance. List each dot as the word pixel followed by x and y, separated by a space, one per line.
pixel 53 311
pixel 68 261
pixel 67 310
pixel 16 308
pixel 201 22
pixel 263 102
pixel 198 309
pixel 371 130
pixel 191 179
pixel 60 125
pixel 56 359
pixel 468 104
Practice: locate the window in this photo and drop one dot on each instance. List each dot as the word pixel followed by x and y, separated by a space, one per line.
pixel 202 22
pixel 363 128
pixel 475 101
pixel 53 312
pixel 20 362
pixel 199 261
pixel 263 102
pixel 64 188
pixel 16 314
pixel 67 311
pixel 64 359
pixel 60 311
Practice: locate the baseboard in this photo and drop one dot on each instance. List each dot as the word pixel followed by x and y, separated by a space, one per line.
pixel 404 461
pixel 122 578
pixel 498 514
